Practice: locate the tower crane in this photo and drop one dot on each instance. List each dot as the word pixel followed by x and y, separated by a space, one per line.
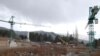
pixel 11 22
pixel 91 21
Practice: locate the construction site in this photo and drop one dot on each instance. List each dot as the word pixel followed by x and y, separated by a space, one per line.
pixel 42 43
pixel 45 49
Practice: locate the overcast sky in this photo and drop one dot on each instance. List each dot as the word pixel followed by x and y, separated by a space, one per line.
pixel 62 15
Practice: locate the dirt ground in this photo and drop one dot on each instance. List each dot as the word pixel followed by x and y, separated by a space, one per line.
pixel 46 50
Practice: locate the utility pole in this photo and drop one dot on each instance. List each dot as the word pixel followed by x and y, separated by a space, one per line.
pixel 28 36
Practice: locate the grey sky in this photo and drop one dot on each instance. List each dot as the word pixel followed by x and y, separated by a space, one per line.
pixel 52 11
pixel 63 15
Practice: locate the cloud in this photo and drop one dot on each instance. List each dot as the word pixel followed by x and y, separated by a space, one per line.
pixel 52 11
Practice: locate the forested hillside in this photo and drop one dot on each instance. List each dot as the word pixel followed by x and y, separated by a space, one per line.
pixel 4 32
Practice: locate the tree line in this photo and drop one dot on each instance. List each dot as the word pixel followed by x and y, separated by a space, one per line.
pixel 37 37
pixel 7 33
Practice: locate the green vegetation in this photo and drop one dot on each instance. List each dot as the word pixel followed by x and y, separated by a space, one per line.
pixel 6 33
pixel 40 37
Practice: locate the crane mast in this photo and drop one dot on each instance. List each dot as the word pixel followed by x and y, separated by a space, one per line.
pixel 11 30
pixel 91 22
